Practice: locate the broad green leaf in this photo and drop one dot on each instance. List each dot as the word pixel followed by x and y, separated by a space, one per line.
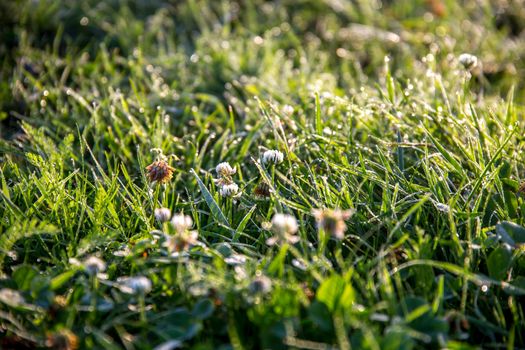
pixel 498 263
pixel 203 309
pixel 510 233
pixel 61 279
pixel 335 293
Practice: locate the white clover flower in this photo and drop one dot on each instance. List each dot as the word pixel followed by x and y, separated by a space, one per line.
pixel 332 221
pixel 235 259
pixel 273 156
pixel 225 169
pixel 284 226
pixel 181 241
pixel 284 223
pixel 162 214
pixel 229 190
pixel 94 265
pixel 181 222
pixel 135 285
pixel 260 285
pixel 288 110
pixel 468 61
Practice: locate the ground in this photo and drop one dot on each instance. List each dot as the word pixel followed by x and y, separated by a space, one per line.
pixel 262 174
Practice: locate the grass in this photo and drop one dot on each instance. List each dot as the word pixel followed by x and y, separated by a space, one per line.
pixel 373 112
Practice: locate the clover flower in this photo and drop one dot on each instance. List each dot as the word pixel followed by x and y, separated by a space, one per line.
pixel 94 265
pixel 229 190
pixel 135 285
pixel 468 61
pixel 332 221
pixel 260 285
pixel 284 226
pixel 162 214
pixel 181 222
pixel 181 241
pixel 159 171
pixel 183 238
pixel 262 190
pixel 288 110
pixel 273 157
pixel 224 169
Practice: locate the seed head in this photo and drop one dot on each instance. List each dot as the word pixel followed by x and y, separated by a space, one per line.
pixel 332 221
pixel 162 214
pixel 159 171
pixel 229 190
pixel 468 61
pixel 273 157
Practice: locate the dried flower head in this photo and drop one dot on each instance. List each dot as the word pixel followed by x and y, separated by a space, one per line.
pixel 181 222
pixel 262 190
pixel 273 157
pixel 224 169
pixel 159 171
pixel 135 285
pixel 468 61
pixel 229 190
pixel 162 214
pixel 62 340
pixel 284 226
pixel 94 265
pixel 332 221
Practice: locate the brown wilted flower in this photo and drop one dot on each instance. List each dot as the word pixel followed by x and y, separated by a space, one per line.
pixel 262 190
pixel 332 221
pixel 159 171
pixel 62 340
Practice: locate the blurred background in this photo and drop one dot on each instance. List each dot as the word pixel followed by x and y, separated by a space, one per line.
pixel 245 46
